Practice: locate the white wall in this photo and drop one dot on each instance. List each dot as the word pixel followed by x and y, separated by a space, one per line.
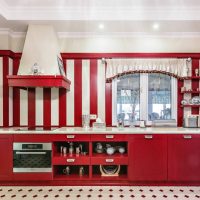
pixel 115 44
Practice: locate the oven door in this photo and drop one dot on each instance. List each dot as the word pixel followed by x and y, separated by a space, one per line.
pixel 31 158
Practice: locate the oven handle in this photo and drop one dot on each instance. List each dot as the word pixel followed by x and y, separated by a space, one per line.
pixel 21 153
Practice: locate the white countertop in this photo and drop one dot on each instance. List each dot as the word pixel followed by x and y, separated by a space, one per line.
pixel 108 130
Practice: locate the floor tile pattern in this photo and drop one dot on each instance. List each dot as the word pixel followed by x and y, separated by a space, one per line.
pixel 99 193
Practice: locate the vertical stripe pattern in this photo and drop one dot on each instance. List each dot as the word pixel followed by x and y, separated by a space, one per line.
pixel 1 91
pixel 10 95
pixel 86 87
pixel 70 94
pixel 54 106
pixel 39 107
pixel 101 90
pixel 23 107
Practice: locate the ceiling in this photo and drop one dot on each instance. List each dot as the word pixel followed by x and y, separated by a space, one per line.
pixel 120 17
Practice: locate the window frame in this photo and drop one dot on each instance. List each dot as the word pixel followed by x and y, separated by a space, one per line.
pixel 144 100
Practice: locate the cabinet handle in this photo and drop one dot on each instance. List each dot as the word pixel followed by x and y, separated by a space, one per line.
pixel 187 137
pixel 70 136
pixel 109 136
pixel 70 160
pixel 148 136
pixel 109 160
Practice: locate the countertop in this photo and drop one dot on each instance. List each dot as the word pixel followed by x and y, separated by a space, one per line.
pixel 108 130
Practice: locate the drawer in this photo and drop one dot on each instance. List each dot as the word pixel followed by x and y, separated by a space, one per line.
pixel 32 137
pixel 71 137
pixel 109 160
pixel 61 160
pixel 109 137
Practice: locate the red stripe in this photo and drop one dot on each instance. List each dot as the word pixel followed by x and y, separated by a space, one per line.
pixel 179 108
pixel 5 92
pixel 93 87
pixel 78 92
pixel 31 107
pixel 108 104
pixel 16 96
pixel 195 82
pixel 62 103
pixel 47 107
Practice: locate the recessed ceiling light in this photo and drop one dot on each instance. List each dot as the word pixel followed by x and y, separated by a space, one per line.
pixel 155 26
pixel 101 26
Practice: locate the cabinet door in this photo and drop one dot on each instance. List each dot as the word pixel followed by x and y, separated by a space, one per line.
pixel 6 157
pixel 148 158
pixel 184 157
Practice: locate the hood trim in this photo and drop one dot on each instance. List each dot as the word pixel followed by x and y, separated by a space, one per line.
pixel 32 81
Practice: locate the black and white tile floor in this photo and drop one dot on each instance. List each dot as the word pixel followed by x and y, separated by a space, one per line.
pixel 98 193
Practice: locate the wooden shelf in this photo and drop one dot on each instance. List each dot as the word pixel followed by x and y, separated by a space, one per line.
pixel 191 92
pixel 193 106
pixel 32 81
pixel 62 177
pixel 99 177
pixel 115 155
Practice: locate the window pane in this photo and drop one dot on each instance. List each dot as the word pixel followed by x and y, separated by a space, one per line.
pixel 159 97
pixel 128 98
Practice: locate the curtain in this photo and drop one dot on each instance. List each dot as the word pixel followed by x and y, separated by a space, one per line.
pixel 179 68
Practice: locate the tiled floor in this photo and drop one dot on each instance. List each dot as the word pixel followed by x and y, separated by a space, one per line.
pixel 99 193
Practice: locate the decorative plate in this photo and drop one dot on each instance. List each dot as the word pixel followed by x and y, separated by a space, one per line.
pixel 184 102
pixel 196 100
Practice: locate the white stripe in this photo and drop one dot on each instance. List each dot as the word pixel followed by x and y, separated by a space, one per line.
pixel 23 107
pixel 187 96
pixel 70 94
pixel 86 86
pixel 1 91
pixel 10 94
pixel 54 106
pixel 101 90
pixel 39 107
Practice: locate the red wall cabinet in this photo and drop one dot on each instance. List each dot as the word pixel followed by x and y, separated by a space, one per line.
pixel 148 158
pixel 6 157
pixel 184 158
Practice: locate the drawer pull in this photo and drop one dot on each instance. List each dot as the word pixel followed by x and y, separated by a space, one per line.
pixel 148 136
pixel 70 160
pixel 187 137
pixel 109 160
pixel 109 136
pixel 70 136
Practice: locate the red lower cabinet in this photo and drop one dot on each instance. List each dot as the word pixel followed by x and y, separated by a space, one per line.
pixel 6 157
pixel 148 158
pixel 184 158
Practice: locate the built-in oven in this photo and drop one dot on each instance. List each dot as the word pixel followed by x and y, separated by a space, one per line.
pixel 32 157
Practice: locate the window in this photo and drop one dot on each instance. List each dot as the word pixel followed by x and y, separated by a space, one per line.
pixel 150 97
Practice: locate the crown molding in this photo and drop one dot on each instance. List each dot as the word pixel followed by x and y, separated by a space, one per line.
pixel 12 34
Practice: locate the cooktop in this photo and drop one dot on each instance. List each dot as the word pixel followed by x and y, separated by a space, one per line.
pixel 36 128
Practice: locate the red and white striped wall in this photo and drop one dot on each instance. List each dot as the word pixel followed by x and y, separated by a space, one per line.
pixel 54 106
pixel 88 92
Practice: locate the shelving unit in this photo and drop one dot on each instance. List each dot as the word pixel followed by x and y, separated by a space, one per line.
pixel 91 161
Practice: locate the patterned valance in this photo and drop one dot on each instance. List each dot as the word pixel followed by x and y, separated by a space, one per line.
pixel 179 68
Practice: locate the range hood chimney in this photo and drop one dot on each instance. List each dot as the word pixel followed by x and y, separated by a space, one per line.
pixel 41 63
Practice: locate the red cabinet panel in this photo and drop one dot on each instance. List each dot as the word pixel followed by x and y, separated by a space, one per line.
pixel 184 157
pixel 43 137
pixel 71 137
pixel 66 160
pixel 6 157
pixel 148 158
pixel 109 160
pixel 109 137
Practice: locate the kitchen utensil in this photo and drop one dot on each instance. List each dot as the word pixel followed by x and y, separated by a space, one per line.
pixel 121 150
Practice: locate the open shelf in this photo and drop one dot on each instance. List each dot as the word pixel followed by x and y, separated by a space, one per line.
pixel 191 92
pixel 63 177
pixel 189 105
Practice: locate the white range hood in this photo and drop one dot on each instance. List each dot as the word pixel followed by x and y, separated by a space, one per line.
pixel 41 64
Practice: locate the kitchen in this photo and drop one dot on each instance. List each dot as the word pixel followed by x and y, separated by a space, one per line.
pixel 103 111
